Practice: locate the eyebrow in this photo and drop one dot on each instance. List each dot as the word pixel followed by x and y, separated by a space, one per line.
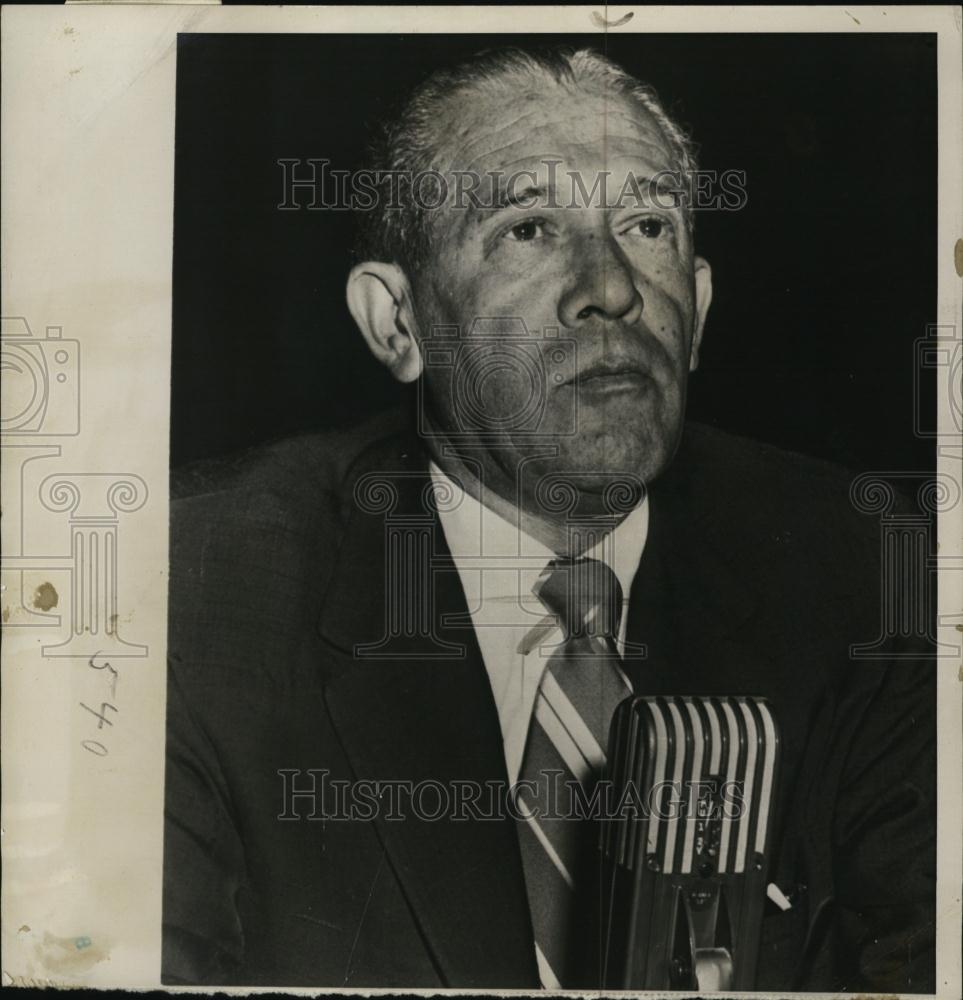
pixel 616 195
pixel 503 200
pixel 518 199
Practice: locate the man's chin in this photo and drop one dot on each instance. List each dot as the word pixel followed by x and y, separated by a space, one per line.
pixel 603 458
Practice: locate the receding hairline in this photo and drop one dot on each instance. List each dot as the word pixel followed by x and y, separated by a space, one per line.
pixel 413 140
pixel 446 141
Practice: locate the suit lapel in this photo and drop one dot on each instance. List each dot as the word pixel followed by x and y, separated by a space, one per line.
pixel 417 709
pixel 687 605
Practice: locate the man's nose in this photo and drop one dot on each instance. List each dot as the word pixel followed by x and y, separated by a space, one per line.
pixel 600 285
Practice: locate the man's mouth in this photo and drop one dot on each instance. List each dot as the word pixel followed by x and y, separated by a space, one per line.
pixel 610 376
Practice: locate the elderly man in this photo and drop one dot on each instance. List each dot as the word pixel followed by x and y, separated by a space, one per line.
pixel 363 618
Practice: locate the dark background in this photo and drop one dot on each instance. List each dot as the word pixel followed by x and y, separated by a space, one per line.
pixel 822 283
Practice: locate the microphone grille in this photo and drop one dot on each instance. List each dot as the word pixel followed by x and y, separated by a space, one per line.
pixel 691 780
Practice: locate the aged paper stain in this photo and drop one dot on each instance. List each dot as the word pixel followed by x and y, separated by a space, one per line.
pixel 603 23
pixel 958 258
pixel 66 955
pixel 45 597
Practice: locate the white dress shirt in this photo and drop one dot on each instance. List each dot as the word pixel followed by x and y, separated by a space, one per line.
pixel 498 565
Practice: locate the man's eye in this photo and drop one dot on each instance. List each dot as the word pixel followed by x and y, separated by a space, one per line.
pixel 650 228
pixel 530 229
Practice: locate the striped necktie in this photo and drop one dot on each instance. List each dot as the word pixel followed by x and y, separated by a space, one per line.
pixel 581 685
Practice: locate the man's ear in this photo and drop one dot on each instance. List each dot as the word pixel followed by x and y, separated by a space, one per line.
pixel 703 297
pixel 379 297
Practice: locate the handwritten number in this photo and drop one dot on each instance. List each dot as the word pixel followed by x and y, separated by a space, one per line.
pixel 95 746
pixel 105 666
pixel 100 716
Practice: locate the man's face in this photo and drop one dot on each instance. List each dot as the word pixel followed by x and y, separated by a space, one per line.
pixel 617 283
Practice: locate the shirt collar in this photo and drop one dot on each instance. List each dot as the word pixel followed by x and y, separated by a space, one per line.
pixel 472 529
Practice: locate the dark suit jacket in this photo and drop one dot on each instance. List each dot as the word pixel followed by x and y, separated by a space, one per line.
pixel 756 577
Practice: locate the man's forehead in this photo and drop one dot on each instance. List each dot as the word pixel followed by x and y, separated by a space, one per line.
pixel 502 130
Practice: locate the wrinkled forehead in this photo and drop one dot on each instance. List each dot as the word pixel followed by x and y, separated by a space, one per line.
pixel 525 123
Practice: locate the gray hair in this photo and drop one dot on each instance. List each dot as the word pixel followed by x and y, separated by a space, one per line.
pixel 398 229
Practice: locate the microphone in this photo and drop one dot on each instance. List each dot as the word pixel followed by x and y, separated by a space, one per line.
pixel 685 843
